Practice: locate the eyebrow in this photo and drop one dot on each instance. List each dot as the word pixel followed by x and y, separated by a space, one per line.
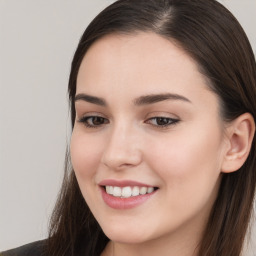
pixel 90 99
pixel 154 98
pixel 140 101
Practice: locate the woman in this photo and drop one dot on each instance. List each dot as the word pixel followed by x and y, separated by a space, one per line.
pixel 162 154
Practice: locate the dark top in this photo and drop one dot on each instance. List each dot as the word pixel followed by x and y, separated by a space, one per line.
pixel 32 249
pixel 38 248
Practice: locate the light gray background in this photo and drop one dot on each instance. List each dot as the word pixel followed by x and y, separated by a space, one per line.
pixel 37 41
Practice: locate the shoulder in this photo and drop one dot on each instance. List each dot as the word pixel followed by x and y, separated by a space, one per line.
pixel 32 249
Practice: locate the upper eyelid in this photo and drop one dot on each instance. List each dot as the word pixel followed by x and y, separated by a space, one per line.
pixel 169 118
pixel 148 116
pixel 90 114
pixel 151 115
pixel 161 114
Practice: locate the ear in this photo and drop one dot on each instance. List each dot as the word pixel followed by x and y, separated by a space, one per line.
pixel 240 133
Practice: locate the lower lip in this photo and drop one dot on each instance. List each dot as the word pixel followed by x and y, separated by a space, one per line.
pixel 124 203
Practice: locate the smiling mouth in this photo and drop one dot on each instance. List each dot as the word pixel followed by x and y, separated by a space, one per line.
pixel 128 191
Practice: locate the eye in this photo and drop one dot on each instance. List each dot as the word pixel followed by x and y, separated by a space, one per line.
pixel 93 121
pixel 162 121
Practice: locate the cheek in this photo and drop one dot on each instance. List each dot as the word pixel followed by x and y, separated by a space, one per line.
pixel 85 155
pixel 188 162
pixel 189 169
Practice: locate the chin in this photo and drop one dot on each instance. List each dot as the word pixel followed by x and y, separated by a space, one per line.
pixel 126 235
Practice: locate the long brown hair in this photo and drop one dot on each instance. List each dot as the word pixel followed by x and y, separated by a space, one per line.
pixel 212 36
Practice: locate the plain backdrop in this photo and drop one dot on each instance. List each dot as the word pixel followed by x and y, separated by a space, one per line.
pixel 37 41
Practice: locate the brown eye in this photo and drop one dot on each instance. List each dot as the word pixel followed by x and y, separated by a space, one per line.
pixel 96 120
pixel 93 121
pixel 162 121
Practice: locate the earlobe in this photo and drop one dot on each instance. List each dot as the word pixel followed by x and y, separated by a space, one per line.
pixel 240 135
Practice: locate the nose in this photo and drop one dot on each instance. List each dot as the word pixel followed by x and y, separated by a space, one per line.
pixel 123 149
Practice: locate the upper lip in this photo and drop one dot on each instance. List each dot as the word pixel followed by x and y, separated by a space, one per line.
pixel 123 183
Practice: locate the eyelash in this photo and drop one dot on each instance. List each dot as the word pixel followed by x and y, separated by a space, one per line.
pixel 168 121
pixel 85 120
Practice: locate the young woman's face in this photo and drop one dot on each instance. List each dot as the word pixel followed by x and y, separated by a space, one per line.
pixel 146 122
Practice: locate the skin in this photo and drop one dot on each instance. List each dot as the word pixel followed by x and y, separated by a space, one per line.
pixel 184 160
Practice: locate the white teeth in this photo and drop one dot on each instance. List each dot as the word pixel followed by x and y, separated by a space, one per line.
pixel 117 191
pixel 143 190
pixel 109 190
pixel 135 191
pixel 150 190
pixel 126 192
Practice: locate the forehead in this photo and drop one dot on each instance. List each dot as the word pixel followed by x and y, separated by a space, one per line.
pixel 142 63
pixel 148 48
